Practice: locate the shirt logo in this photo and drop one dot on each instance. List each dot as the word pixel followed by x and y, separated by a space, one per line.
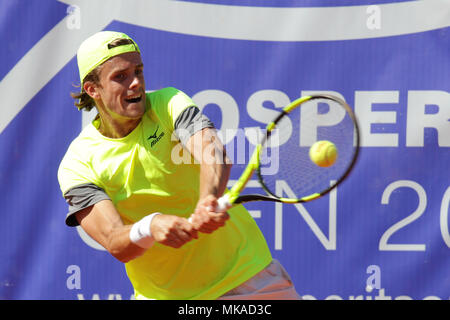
pixel 155 137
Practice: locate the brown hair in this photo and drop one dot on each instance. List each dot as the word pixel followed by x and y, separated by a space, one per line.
pixel 85 101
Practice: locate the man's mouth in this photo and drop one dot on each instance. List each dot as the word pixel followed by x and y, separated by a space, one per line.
pixel 134 99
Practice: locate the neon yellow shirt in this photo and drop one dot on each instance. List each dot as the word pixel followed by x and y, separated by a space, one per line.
pixel 138 174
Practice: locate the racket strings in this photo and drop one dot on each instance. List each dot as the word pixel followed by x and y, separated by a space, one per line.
pixel 286 168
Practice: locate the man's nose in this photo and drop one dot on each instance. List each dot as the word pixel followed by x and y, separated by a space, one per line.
pixel 137 81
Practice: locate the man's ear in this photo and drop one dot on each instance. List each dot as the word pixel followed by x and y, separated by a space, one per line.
pixel 91 89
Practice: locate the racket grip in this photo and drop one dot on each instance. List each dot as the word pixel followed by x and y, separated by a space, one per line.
pixel 223 204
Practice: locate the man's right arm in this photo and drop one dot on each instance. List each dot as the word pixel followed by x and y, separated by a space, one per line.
pixel 103 223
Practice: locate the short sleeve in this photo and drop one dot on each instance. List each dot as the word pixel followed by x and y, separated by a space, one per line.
pixel 190 121
pixel 74 169
pixel 81 197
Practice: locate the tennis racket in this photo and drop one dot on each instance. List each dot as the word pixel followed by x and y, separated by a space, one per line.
pixel 281 159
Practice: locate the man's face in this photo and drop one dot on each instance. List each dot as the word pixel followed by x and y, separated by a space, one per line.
pixel 121 88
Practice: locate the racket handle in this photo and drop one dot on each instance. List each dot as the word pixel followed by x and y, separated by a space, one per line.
pixel 223 204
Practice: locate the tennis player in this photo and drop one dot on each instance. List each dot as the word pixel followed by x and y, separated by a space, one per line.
pixel 124 188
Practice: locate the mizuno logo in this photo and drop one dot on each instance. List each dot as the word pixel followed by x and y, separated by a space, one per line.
pixel 155 137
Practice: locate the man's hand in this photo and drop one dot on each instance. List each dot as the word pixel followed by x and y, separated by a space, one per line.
pixel 205 219
pixel 172 231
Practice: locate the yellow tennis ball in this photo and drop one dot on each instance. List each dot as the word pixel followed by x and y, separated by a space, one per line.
pixel 323 153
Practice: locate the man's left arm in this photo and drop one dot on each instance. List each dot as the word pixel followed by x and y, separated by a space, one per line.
pixel 206 147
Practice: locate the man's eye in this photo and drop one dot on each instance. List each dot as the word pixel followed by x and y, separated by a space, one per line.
pixel 120 76
pixel 138 72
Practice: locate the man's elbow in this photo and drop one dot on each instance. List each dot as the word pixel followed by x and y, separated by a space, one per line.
pixel 126 254
pixel 124 257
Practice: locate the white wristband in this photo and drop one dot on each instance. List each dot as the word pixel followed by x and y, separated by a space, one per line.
pixel 140 233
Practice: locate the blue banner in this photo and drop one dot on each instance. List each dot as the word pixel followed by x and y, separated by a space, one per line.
pixel 383 234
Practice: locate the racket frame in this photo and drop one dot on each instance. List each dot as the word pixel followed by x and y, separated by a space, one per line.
pixel 233 195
